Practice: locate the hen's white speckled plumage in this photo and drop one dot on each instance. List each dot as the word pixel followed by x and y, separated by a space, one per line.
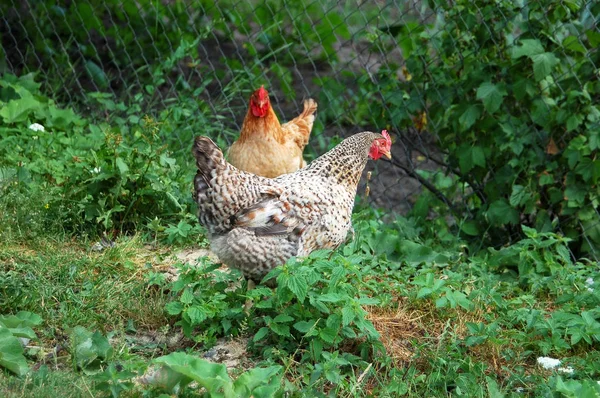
pixel 256 223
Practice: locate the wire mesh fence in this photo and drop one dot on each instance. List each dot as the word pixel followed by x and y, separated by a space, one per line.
pixel 468 89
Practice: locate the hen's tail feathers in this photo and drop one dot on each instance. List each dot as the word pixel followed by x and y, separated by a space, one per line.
pixel 208 156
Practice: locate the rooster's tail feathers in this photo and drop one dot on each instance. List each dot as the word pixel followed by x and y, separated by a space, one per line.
pixel 310 107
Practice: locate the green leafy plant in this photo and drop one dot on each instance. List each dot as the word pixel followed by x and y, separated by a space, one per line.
pixel 183 369
pixel 114 381
pixel 90 350
pixel 208 299
pixel 13 328
pixel 512 105
pixel 86 176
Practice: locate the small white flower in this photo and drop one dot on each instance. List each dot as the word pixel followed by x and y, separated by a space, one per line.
pixel 568 370
pixel 548 363
pixel 589 282
pixel 37 127
pixel 96 170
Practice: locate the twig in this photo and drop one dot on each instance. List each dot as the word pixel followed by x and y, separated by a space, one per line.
pixel 428 185
pixel 476 187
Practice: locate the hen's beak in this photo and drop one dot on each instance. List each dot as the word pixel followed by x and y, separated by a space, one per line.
pixel 387 154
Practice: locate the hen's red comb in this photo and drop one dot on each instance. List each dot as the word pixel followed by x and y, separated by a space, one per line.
pixel 388 139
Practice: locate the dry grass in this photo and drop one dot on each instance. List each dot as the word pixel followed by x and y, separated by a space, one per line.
pixel 400 326
pixel 404 327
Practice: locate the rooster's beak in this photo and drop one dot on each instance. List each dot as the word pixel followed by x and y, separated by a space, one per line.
pixel 387 154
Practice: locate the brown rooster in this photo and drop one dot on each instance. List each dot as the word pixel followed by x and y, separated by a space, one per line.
pixel 255 223
pixel 266 147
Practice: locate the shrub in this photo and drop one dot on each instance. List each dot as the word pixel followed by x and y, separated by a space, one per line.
pixel 84 176
pixel 511 94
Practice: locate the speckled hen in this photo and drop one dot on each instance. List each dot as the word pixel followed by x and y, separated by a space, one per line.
pixel 255 223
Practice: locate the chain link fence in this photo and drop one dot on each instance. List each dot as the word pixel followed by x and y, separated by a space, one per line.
pixel 440 75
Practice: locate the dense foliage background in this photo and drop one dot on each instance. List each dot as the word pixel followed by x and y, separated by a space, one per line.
pixel 475 253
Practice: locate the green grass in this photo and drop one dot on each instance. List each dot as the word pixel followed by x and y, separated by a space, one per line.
pixel 55 384
pixel 68 284
pixel 449 324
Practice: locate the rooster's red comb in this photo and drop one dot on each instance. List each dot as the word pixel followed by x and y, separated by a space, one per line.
pixel 261 93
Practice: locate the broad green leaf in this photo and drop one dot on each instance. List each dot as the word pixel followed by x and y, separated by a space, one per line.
pixel 101 345
pixel 491 95
pixel 297 284
pixel 316 348
pixel 174 308
pixel 470 157
pixel 470 228
pixel 424 292
pixel 18 110
pixel 574 121
pixel 97 74
pixel 11 353
pixel 469 117
pixel 262 332
pixel 500 213
pixel 540 113
pixel 304 326
pixel 519 195
pixel 283 318
pixel 21 319
pixel 593 37
pixel 369 300
pixel 332 297
pixel 89 349
pixel 29 318
pixel 187 296
pixel 478 156
pixel 543 64
pixel 328 335
pixel 416 253
pixel 315 302
pixel 348 315
pixel 575 195
pixel 586 168
pixel 26 332
pixel 594 140
pixel 333 375
pixel 196 314
pixel 546 179
pixel 123 168
pixel 247 384
pixel 528 48
pixel 492 388
pixel 211 376
pixel 280 329
pixel 572 43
